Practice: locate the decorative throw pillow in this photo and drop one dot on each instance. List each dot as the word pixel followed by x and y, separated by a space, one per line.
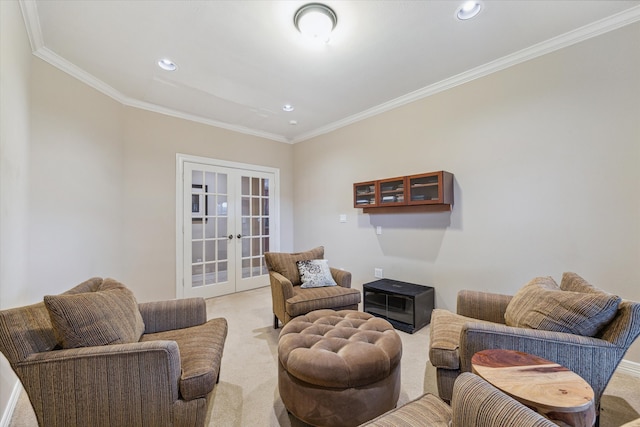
pixel 315 273
pixel 109 315
pixel 541 304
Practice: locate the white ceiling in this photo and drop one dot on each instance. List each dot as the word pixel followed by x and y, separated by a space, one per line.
pixel 239 62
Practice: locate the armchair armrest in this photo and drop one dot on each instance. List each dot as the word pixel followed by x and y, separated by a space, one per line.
pixel 281 291
pixel 280 286
pixel 167 315
pixel 122 375
pixel 342 277
pixel 476 403
pixel 589 357
pixel 483 305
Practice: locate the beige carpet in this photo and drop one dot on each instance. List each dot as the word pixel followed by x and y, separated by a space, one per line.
pixel 247 394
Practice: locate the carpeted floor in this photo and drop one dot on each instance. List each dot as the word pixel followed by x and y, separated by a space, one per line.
pixel 247 394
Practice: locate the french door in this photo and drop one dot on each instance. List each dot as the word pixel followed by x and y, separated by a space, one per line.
pixel 227 218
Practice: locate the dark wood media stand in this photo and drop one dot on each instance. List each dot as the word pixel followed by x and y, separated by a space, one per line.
pixel 406 306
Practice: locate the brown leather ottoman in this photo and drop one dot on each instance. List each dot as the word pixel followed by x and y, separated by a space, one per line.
pixel 338 368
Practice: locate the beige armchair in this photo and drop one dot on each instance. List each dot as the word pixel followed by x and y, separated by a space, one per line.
pixel 289 299
pixel 475 403
pixel 163 379
pixel 479 324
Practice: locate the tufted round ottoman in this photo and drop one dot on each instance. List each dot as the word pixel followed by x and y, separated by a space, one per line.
pixel 338 368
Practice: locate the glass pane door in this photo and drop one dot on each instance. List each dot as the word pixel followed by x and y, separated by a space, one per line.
pixel 207 263
pixel 255 201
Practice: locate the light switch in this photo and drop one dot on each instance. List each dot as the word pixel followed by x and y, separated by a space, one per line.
pixel 343 218
pixel 379 230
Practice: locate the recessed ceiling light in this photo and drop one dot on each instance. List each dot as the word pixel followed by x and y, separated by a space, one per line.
pixel 468 10
pixel 167 64
pixel 288 107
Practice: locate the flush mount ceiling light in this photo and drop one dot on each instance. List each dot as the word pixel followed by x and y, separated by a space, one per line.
pixel 167 64
pixel 288 107
pixel 468 10
pixel 316 21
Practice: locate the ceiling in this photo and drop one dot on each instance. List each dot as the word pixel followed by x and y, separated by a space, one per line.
pixel 239 62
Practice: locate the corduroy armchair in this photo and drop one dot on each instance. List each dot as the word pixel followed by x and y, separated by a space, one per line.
pixel 165 379
pixel 475 403
pixel 479 324
pixel 289 299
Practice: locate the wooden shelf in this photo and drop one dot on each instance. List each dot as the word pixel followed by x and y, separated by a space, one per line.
pixel 407 209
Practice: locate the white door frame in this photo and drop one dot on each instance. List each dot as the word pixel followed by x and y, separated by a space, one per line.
pixel 274 213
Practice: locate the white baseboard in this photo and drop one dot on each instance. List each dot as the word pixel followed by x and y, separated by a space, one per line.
pixel 629 368
pixel 11 405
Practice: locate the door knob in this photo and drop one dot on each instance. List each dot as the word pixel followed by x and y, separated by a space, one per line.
pixel 239 236
pixel 230 236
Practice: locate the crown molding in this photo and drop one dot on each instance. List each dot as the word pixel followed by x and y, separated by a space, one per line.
pixel 613 22
pixel 29 10
pixel 70 68
pixel 578 35
pixel 57 61
pixel 131 102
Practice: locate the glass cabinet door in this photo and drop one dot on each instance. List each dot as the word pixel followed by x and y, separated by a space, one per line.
pixel 391 192
pixel 364 194
pixel 425 188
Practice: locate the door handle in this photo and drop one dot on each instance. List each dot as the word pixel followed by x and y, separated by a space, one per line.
pixel 239 236
pixel 230 236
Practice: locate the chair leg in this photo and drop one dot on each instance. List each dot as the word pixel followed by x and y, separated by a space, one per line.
pixel 275 322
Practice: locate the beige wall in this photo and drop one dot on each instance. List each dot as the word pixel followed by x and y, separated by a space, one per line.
pixel 546 161
pixel 76 183
pixel 151 144
pixel 15 57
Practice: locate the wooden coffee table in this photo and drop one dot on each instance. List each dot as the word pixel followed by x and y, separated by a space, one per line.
pixel 547 387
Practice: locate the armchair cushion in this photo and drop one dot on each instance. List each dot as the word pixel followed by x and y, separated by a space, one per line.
pixel 200 355
pixel 315 273
pixel 541 304
pixel 110 315
pixel 285 263
pixel 311 299
pixel 445 338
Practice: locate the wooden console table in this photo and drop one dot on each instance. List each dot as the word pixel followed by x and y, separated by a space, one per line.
pixel 547 387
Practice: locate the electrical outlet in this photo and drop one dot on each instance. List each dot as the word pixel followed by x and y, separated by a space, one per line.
pixel 377 272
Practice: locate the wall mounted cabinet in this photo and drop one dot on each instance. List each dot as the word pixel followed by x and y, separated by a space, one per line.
pixel 425 192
